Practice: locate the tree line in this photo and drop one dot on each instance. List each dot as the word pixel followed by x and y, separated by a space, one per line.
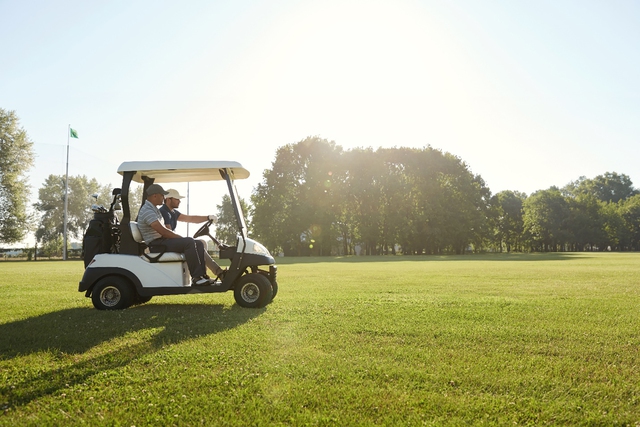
pixel 319 199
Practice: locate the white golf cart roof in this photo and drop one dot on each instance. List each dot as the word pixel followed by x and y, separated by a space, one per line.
pixel 183 170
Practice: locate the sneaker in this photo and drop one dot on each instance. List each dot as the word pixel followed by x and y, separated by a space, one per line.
pixel 200 281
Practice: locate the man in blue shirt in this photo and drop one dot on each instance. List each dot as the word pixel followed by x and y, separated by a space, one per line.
pixel 172 215
pixel 154 233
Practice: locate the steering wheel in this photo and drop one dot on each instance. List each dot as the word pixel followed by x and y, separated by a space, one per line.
pixel 204 231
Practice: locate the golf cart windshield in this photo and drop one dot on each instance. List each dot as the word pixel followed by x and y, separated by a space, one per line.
pixel 159 172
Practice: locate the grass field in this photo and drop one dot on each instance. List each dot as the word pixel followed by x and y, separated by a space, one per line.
pixel 473 340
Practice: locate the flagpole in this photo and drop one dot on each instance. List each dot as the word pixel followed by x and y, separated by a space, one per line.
pixel 66 199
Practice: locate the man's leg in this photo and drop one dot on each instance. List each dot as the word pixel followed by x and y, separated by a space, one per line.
pixel 192 251
pixel 212 265
pixel 209 262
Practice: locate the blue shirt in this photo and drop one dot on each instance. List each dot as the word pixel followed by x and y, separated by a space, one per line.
pixel 170 217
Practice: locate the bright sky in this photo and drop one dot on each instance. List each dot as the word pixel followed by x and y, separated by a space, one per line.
pixel 528 93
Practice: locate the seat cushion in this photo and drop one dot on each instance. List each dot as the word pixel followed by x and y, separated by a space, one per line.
pixel 166 257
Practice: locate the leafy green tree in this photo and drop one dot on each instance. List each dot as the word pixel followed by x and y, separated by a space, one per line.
pixel 395 201
pixel 51 206
pixel 617 237
pixel 586 223
pixel 294 208
pixel 630 212
pixel 464 204
pixel 53 247
pixel 365 193
pixel 506 218
pixel 135 200
pixel 546 216
pixel 16 157
pixel 446 206
pixel 318 199
pixel 423 199
pixel 279 214
pixel 321 158
pixel 227 226
pixel 610 187
pixel 345 228
pixel 419 232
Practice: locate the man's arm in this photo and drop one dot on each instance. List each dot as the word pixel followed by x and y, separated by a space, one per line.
pixel 167 218
pixel 196 218
pixel 164 231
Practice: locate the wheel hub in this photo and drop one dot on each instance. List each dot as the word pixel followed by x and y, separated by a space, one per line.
pixel 250 292
pixel 110 296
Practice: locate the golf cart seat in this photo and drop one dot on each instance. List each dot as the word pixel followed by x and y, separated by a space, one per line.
pixel 144 248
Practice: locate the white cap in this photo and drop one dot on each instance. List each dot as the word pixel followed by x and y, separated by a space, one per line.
pixel 173 194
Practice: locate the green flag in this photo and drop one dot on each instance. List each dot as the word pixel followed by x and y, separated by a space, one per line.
pixel 73 133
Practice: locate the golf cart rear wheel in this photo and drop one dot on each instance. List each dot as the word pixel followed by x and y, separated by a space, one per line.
pixel 253 291
pixel 112 293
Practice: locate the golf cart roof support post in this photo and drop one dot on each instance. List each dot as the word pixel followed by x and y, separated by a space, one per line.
pixel 124 196
pixel 235 202
pixel 147 182
pixel 227 174
pixel 127 244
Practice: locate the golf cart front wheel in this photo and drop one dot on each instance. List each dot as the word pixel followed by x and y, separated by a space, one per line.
pixel 253 291
pixel 112 293
pixel 274 284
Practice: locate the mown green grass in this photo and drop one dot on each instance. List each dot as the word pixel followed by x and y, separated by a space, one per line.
pixel 499 339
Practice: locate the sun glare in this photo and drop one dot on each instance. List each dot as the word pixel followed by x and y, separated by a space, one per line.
pixel 347 69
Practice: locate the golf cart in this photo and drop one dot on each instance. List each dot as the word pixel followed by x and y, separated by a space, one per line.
pixel 123 272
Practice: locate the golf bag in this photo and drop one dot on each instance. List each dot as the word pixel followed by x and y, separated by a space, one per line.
pixel 102 235
pixel 98 238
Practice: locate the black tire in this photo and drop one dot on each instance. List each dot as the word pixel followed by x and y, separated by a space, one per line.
pixel 112 293
pixel 253 291
pixel 274 285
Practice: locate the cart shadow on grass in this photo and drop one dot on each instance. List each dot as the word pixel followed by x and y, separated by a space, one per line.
pixel 64 343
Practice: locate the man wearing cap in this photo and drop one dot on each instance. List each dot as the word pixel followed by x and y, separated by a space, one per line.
pixel 171 217
pixel 151 225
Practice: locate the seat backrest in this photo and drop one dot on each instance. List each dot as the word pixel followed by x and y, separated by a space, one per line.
pixel 155 257
pixel 135 232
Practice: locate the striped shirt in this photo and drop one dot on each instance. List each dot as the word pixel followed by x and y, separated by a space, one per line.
pixel 148 215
